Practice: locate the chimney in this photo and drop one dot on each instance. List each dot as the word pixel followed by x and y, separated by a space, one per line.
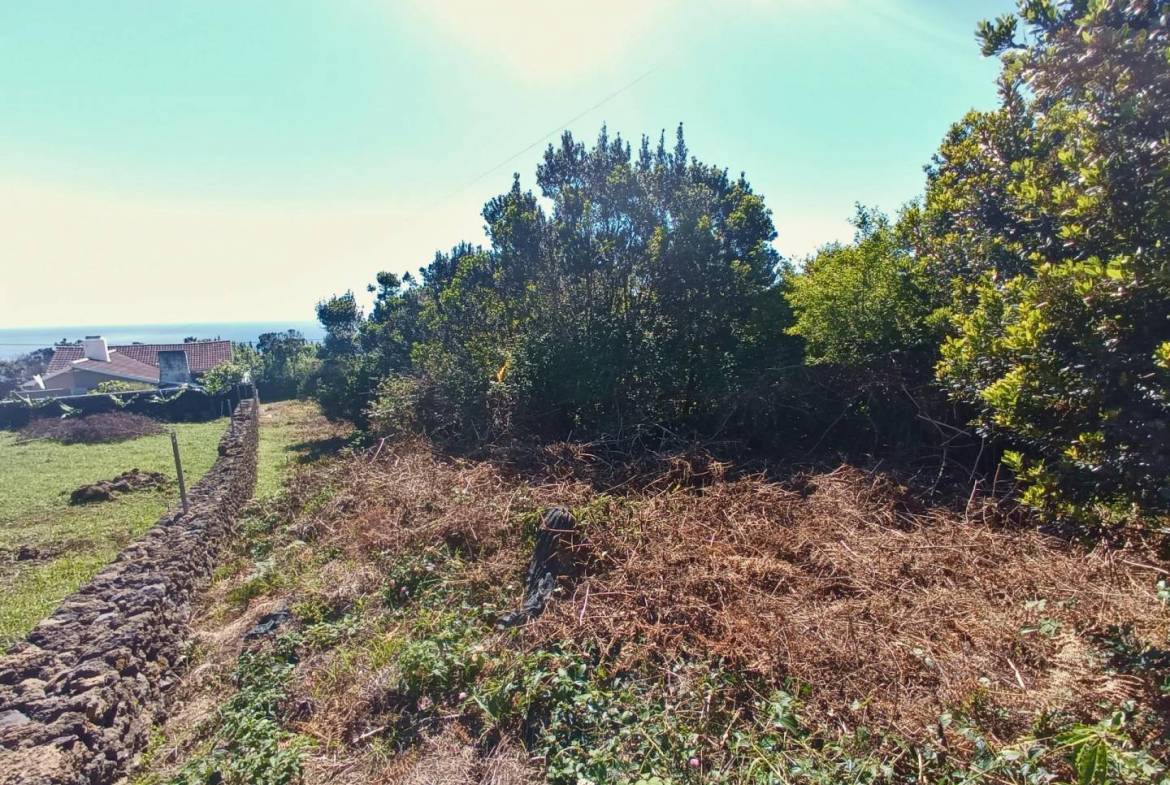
pixel 96 349
pixel 173 368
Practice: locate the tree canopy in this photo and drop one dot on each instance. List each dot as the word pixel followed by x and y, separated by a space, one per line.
pixel 647 292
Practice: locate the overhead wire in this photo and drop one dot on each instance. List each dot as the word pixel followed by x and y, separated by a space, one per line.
pixel 545 136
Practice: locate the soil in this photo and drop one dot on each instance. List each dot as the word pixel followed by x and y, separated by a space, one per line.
pixel 126 482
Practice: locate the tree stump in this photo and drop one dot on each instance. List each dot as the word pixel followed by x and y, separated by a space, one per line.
pixel 551 559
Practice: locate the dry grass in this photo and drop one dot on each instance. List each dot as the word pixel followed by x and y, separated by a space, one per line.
pixel 448 757
pixel 292 433
pixel 889 611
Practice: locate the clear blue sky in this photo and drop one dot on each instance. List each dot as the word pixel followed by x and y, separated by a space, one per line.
pixel 204 160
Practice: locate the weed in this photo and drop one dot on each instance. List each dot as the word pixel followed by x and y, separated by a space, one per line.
pixel 443 653
pixel 1130 655
pixel 411 575
pixel 256 530
pixel 1102 754
pixel 147 757
pixel 328 634
pixel 265 579
pixel 731 633
pixel 317 501
pixel 249 745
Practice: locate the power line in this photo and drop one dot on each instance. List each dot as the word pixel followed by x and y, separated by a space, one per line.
pixel 558 129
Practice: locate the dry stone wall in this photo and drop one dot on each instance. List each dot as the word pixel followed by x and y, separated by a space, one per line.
pixel 79 695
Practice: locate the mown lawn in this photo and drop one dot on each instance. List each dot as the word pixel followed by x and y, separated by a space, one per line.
pixel 48 548
pixel 291 433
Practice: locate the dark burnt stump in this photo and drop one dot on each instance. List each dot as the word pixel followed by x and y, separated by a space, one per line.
pixel 551 559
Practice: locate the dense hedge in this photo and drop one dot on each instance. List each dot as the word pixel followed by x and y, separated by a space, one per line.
pixel 188 405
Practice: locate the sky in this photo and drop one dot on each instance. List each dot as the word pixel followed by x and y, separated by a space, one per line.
pixel 239 160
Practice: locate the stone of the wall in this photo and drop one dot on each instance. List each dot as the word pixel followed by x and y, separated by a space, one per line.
pixel 79 695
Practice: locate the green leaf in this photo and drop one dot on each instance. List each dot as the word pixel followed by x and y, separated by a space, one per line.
pixel 1092 762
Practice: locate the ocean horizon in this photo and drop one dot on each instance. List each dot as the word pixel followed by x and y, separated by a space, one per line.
pixel 15 341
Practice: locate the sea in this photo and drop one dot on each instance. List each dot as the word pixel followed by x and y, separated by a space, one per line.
pixel 15 341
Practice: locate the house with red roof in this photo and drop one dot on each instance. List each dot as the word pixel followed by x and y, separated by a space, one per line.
pixel 78 369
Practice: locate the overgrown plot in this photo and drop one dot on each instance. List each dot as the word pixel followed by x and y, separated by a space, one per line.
pixel 719 628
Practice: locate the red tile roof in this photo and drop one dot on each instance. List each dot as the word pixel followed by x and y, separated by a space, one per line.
pixel 201 355
pixel 119 367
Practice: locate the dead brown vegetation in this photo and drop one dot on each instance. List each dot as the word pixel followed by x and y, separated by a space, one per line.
pixel 92 429
pixel 448 757
pixel 889 610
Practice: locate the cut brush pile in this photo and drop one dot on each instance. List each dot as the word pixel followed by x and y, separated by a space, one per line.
pixel 99 428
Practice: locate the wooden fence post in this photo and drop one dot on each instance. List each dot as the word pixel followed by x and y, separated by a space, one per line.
pixel 179 471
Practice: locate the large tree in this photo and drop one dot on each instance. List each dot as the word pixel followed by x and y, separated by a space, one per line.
pixel 644 290
pixel 359 351
pixel 645 293
pixel 866 304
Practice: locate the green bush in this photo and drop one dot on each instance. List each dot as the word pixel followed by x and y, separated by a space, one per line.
pixel 866 304
pixel 1071 363
pixel 281 364
pixel 117 385
pixel 648 294
pixel 1059 334
pixel 639 293
pixel 360 351
pixel 407 405
pixel 223 377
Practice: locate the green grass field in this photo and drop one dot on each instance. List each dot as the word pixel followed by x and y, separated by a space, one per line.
pixel 65 545
pixel 291 432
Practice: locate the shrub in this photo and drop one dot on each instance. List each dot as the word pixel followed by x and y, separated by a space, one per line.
pixel 223 377
pixel 1061 342
pixel 281 364
pixel 647 295
pixel 865 304
pixel 408 405
pixel 15 372
pixel 117 385
pixel 640 294
pixel 1072 364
